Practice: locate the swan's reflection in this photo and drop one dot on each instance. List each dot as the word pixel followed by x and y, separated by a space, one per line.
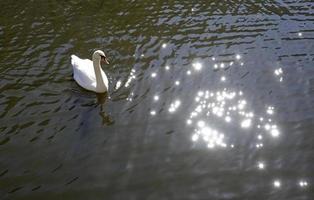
pixel 106 118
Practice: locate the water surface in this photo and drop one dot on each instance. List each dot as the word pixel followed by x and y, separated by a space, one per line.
pixel 207 100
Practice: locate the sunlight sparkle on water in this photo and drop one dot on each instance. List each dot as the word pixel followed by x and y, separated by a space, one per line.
pixel 174 106
pixel 246 123
pixel 228 119
pixel 167 67
pixel 130 97
pixel 303 183
pixel 226 106
pixel 277 184
pixel 197 66
pixel 156 98
pixel 211 136
pixel 267 127
pixel 241 104
pixel 201 124
pixel 194 137
pixel 164 45
pixel 238 56
pixel 274 133
pixel 130 78
pixel 177 83
pixel 200 93
pixel 188 72
pixel 300 34
pixel 278 71
pixel 118 85
pixel 259 145
pixel 270 110
pixel 261 165
pixel 153 112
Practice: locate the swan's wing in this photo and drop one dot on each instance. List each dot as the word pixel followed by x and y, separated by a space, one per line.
pixel 83 71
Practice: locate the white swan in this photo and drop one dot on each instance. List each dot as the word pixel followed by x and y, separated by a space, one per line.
pixel 88 74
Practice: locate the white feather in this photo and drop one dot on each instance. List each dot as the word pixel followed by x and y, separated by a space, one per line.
pixel 84 74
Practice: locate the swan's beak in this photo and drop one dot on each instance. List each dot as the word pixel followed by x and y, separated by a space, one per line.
pixel 104 60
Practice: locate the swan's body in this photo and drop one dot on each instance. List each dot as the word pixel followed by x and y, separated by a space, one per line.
pixel 88 74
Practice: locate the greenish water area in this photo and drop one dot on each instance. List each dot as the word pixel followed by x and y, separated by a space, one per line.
pixel 207 100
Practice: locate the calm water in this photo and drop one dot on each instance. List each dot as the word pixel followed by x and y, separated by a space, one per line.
pixel 207 100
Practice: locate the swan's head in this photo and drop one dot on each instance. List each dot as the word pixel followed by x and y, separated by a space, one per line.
pixel 101 56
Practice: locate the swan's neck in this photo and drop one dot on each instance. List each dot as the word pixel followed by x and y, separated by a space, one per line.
pixel 99 79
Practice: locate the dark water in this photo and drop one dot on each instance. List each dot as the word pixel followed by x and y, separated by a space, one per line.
pixel 207 100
